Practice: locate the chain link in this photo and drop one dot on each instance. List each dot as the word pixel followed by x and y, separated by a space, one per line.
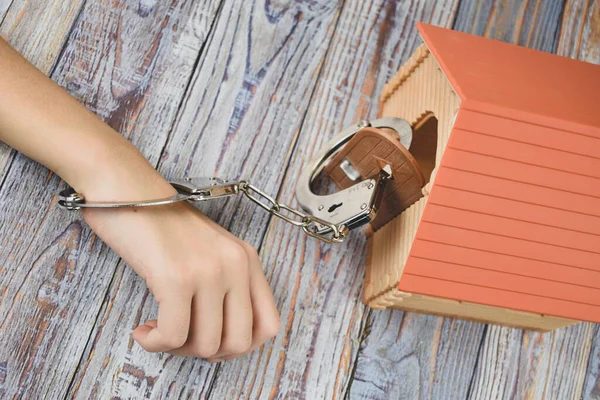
pixel 308 223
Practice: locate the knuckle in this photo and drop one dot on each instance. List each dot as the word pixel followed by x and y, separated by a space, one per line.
pixel 175 342
pixel 250 250
pixel 271 328
pixel 205 350
pixel 237 255
pixel 240 345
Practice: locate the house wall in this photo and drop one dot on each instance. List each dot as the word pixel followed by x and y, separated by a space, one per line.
pixel 419 88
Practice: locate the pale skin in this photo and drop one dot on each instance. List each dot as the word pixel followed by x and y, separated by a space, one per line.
pixel 214 300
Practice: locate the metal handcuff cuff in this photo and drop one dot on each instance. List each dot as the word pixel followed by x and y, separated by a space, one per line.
pixel 328 217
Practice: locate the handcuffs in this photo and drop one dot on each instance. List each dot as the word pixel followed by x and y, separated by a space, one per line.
pixel 328 217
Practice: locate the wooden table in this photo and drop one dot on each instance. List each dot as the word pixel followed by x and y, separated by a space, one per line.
pixel 251 88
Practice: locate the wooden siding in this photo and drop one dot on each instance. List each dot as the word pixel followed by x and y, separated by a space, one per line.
pixel 419 88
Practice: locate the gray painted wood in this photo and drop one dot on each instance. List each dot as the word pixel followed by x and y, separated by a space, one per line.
pixel 54 272
pixel 591 385
pixel 534 24
pixel 522 364
pixel 4 6
pixel 415 356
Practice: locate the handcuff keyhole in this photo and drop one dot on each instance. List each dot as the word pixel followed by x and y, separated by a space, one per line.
pixel 334 207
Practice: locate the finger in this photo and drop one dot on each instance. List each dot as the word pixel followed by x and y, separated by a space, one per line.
pixel 264 309
pixel 151 323
pixel 147 327
pixel 206 325
pixel 265 314
pixel 172 327
pixel 237 323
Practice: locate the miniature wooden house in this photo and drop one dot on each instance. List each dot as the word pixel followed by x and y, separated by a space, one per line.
pixel 508 229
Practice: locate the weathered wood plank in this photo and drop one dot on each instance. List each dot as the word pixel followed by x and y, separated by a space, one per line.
pixel 525 364
pixel 534 23
pixel 240 117
pixel 580 31
pixel 416 356
pixel 591 385
pixel 522 364
pixel 319 286
pixel 25 25
pixel 54 273
pixel 4 6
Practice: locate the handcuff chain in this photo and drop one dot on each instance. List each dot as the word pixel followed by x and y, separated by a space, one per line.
pixel 306 221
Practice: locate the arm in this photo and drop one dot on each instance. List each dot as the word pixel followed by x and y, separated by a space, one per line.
pixel 41 120
pixel 214 301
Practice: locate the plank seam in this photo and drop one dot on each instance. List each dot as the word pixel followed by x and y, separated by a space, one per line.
pixel 507 236
pixel 517 181
pixel 512 219
pixel 295 140
pixel 508 255
pixel 589 373
pixel 515 200
pixel 554 128
pixel 102 307
pixel 209 38
pixel 477 359
pixel 269 221
pixel 6 13
pixel 529 143
pixel 364 333
pixel 522 162
pixel 507 273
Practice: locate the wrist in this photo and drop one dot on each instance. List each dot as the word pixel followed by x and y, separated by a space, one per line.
pixel 114 170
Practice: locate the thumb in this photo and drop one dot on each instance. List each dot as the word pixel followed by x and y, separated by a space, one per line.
pixel 140 333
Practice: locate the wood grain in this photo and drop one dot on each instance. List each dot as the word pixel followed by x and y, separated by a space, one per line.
pixel 415 356
pixel 244 107
pixel 54 272
pixel 524 364
pixel 318 286
pixel 4 6
pixel 532 23
pixel 591 385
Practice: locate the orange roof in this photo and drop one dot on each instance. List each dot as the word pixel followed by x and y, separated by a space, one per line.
pixel 517 82
pixel 513 218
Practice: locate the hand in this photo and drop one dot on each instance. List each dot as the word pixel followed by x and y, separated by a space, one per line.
pixel 214 300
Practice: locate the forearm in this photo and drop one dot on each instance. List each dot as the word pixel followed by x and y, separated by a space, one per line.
pixel 41 120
